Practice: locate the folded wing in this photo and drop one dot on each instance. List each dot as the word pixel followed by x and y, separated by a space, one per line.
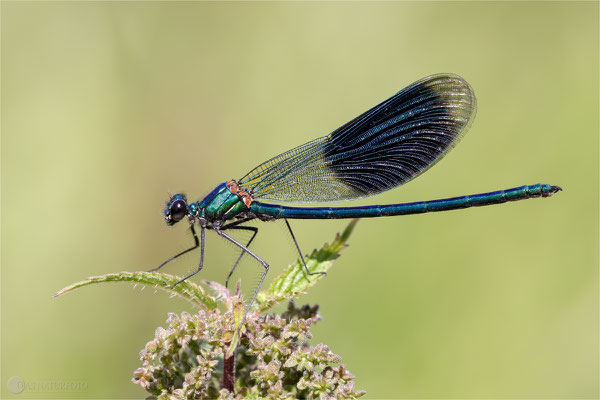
pixel 380 149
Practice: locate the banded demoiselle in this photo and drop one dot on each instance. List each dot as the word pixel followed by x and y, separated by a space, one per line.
pixel 383 148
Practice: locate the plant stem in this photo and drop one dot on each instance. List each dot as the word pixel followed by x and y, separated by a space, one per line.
pixel 229 372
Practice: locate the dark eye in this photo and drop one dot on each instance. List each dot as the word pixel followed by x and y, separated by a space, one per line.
pixel 178 210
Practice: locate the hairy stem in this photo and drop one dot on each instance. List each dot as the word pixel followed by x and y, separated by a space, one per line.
pixel 229 372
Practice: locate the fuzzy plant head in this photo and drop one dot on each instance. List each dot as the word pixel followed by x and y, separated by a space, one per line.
pixel 187 360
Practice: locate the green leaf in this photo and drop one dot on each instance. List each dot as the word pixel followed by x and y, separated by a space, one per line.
pixel 186 289
pixel 294 280
pixel 239 312
pixel 290 283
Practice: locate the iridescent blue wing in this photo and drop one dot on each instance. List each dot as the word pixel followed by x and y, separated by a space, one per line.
pixel 380 149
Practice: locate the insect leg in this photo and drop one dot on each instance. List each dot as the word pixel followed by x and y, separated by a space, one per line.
pixel 197 243
pixel 260 260
pixel 201 257
pixel 300 252
pixel 246 228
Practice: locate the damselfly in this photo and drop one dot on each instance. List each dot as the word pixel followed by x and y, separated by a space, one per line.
pixel 379 150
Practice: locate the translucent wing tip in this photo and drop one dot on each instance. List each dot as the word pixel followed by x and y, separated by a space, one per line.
pixel 449 84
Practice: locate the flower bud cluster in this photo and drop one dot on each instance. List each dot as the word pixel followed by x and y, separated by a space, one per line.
pixel 273 359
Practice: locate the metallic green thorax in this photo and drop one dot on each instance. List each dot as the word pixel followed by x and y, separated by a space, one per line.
pixel 221 204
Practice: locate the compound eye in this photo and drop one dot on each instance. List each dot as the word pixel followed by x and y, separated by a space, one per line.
pixel 178 210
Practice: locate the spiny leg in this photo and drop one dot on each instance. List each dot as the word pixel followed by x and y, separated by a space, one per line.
pixel 201 257
pixel 183 252
pixel 260 260
pixel 300 252
pixel 245 228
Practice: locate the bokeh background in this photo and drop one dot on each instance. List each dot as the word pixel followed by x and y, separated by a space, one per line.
pixel 107 107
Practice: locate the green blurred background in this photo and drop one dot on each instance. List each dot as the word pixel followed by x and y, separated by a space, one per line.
pixel 107 107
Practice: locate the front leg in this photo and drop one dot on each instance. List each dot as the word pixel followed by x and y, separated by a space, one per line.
pixel 197 243
pixel 201 256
